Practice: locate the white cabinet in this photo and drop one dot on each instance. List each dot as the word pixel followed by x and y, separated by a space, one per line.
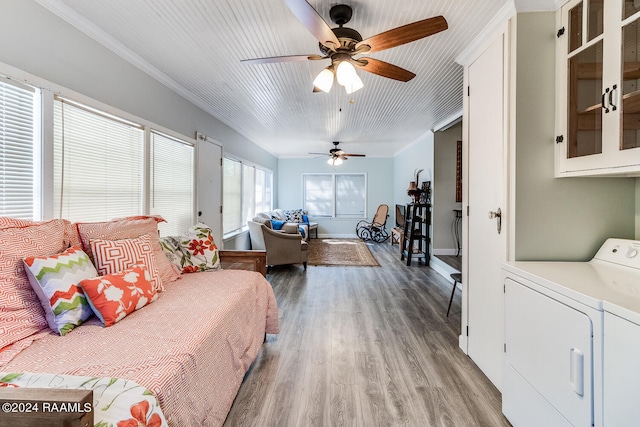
pixel 598 98
pixel 621 373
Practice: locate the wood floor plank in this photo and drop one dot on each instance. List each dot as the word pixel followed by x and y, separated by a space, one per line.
pixel 345 406
pixel 365 346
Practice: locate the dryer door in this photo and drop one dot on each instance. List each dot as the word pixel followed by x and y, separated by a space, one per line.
pixel 549 344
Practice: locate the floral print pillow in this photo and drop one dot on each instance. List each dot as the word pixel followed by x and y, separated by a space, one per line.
pixel 171 248
pixel 116 402
pixel 199 250
pixel 114 296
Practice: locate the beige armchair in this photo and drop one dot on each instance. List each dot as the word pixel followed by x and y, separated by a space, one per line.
pixel 282 248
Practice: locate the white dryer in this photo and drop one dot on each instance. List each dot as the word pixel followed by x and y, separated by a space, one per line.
pixel 572 340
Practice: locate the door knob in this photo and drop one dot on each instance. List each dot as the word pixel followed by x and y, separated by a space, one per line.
pixel 497 215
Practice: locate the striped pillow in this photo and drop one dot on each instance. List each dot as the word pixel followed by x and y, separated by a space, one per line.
pixel 114 256
pixel 55 280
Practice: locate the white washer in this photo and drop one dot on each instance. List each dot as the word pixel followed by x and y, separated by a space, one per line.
pixel 572 340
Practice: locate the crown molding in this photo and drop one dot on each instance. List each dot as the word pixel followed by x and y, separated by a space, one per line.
pixel 500 20
pixel 69 15
pixel 492 28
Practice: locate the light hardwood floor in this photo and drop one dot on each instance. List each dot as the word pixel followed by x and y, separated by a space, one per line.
pixel 365 346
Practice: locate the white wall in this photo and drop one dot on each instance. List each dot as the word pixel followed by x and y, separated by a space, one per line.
pixel 417 155
pixel 556 219
pixel 379 188
pixel 444 190
pixel 637 209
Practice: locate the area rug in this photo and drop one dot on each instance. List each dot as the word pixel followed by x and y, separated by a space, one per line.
pixel 340 252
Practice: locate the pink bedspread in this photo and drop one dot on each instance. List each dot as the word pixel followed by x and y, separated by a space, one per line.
pixel 191 347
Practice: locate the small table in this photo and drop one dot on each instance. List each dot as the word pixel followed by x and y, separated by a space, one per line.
pixel 313 226
pixel 397 236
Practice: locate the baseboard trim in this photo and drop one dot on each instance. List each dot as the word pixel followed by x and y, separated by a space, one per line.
pixel 442 268
pixel 337 236
pixel 451 252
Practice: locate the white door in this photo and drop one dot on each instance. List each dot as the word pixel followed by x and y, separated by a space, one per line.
pixel 487 170
pixel 210 187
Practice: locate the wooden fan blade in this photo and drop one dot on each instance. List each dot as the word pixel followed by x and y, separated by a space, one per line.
pixel 384 69
pixel 405 34
pixel 355 155
pixel 290 58
pixel 313 22
pixel 319 154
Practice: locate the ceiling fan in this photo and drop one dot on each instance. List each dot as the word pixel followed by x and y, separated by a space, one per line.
pixel 337 156
pixel 341 45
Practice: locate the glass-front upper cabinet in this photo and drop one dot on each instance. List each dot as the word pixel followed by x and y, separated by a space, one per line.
pixel 599 98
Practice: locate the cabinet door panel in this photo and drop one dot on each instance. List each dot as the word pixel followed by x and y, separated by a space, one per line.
pixel 630 91
pixel 550 345
pixel 585 102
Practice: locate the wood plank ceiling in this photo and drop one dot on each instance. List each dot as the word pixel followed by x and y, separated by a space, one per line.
pixel 195 47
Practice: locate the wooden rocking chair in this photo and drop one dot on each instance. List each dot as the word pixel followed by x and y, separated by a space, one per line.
pixel 376 229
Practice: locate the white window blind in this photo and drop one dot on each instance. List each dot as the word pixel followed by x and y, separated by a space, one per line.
pixel 263 190
pixel 172 183
pixel 19 160
pixel 232 196
pixel 350 196
pixel 335 195
pixel 248 193
pixel 318 195
pixel 98 164
pixel 247 190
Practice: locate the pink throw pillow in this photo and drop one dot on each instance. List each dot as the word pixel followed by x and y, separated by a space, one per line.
pixel 114 296
pixel 114 256
pixel 21 314
pixel 127 229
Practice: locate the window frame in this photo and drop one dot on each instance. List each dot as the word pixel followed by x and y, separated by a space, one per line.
pixel 334 214
pixel 44 139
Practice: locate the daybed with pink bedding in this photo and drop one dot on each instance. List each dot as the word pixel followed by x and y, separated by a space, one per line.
pixel 190 346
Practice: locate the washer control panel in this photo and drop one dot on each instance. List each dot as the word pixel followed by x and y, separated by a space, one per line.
pixel 620 251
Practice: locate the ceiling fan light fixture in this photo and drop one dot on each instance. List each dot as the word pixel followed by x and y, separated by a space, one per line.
pixel 356 85
pixel 346 73
pixel 334 161
pixel 324 80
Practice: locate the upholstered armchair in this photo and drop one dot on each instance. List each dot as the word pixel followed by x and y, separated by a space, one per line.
pixel 281 247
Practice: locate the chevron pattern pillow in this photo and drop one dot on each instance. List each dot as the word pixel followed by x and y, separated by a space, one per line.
pixel 55 280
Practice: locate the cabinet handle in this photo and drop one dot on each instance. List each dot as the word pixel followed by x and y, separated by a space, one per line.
pixel 611 103
pixel 606 108
pixel 576 374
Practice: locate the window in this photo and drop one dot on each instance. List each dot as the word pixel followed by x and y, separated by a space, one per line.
pixel 247 190
pixel 172 183
pixel 335 195
pixel 19 153
pixel 102 166
pixel 98 164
